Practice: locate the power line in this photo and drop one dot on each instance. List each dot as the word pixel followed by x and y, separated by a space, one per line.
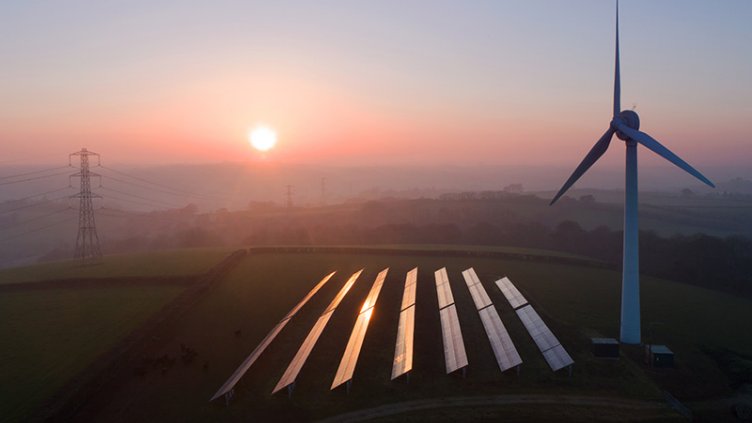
pixel 39 203
pixel 119 214
pixel 139 197
pixel 29 197
pixel 112 178
pixel 39 229
pixel 177 190
pixel 32 172
pixel 128 200
pixel 35 218
pixel 33 178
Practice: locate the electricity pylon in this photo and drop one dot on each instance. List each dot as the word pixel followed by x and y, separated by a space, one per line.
pixel 87 241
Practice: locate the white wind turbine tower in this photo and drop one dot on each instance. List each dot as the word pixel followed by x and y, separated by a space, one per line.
pixel 626 124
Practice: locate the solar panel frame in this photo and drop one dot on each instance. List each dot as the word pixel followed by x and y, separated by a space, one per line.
pixel 373 294
pixel 288 378
pixel 455 356
pixel 471 278
pixel 537 329
pixel 443 288
pixel 553 352
pixel 352 351
pixel 293 369
pixel 504 350
pixel 511 293
pixel 342 292
pixel 480 297
pixel 310 294
pixel 403 348
pixel 557 358
pixel 355 343
pixel 261 347
pixel 408 296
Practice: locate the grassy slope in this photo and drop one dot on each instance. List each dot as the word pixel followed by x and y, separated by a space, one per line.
pixel 151 264
pixel 577 302
pixel 48 336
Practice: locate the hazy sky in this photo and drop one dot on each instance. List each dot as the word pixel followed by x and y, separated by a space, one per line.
pixel 351 82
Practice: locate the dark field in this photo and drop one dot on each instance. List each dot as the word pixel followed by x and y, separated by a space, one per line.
pixel 577 302
pixel 50 335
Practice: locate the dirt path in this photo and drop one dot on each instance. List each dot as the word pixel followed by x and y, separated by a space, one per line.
pixel 501 400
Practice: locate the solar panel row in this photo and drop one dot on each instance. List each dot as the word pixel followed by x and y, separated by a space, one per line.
pixel 403 348
pixel 355 343
pixel 501 343
pixel 288 378
pixel 229 385
pixel 455 357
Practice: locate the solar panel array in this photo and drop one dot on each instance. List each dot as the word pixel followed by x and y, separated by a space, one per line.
pixel 555 355
pixel 229 385
pixel 352 351
pixel 288 378
pixel 455 356
pixel 504 350
pixel 515 298
pixel 403 348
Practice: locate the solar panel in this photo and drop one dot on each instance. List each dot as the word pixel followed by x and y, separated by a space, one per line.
pixel 408 297
pixel 309 295
pixel 373 294
pixel 557 358
pixel 288 378
pixel 480 297
pixel 403 349
pixel 538 330
pixel 455 357
pixel 515 298
pixel 443 289
pixel 501 343
pixel 342 292
pixel 352 351
pixel 555 355
pixel 248 362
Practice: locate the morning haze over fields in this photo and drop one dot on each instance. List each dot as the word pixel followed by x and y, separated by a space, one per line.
pixel 342 211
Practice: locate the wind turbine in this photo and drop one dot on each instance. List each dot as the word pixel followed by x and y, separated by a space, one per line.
pixel 626 124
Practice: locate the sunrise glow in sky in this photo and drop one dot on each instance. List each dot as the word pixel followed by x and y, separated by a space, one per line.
pixel 393 82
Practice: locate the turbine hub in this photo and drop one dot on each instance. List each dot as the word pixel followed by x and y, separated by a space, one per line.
pixel 629 118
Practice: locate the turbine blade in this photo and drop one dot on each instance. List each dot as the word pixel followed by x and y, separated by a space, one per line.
pixel 617 73
pixel 662 151
pixel 593 155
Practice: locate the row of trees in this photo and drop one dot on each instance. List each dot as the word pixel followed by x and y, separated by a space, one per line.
pixel 713 262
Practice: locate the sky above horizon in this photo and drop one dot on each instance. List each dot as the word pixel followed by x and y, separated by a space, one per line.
pixel 387 82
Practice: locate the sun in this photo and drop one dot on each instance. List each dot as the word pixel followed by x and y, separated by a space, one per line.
pixel 262 138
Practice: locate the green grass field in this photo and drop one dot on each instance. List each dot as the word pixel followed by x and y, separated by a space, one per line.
pixel 50 335
pixel 577 302
pixel 149 264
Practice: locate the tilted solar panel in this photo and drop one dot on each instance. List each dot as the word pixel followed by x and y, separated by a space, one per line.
pixel 455 356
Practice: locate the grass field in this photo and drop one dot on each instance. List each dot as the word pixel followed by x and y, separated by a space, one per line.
pixel 50 335
pixel 577 302
pixel 148 264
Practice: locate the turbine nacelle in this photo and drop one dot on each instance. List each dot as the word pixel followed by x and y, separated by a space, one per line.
pixel 628 118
